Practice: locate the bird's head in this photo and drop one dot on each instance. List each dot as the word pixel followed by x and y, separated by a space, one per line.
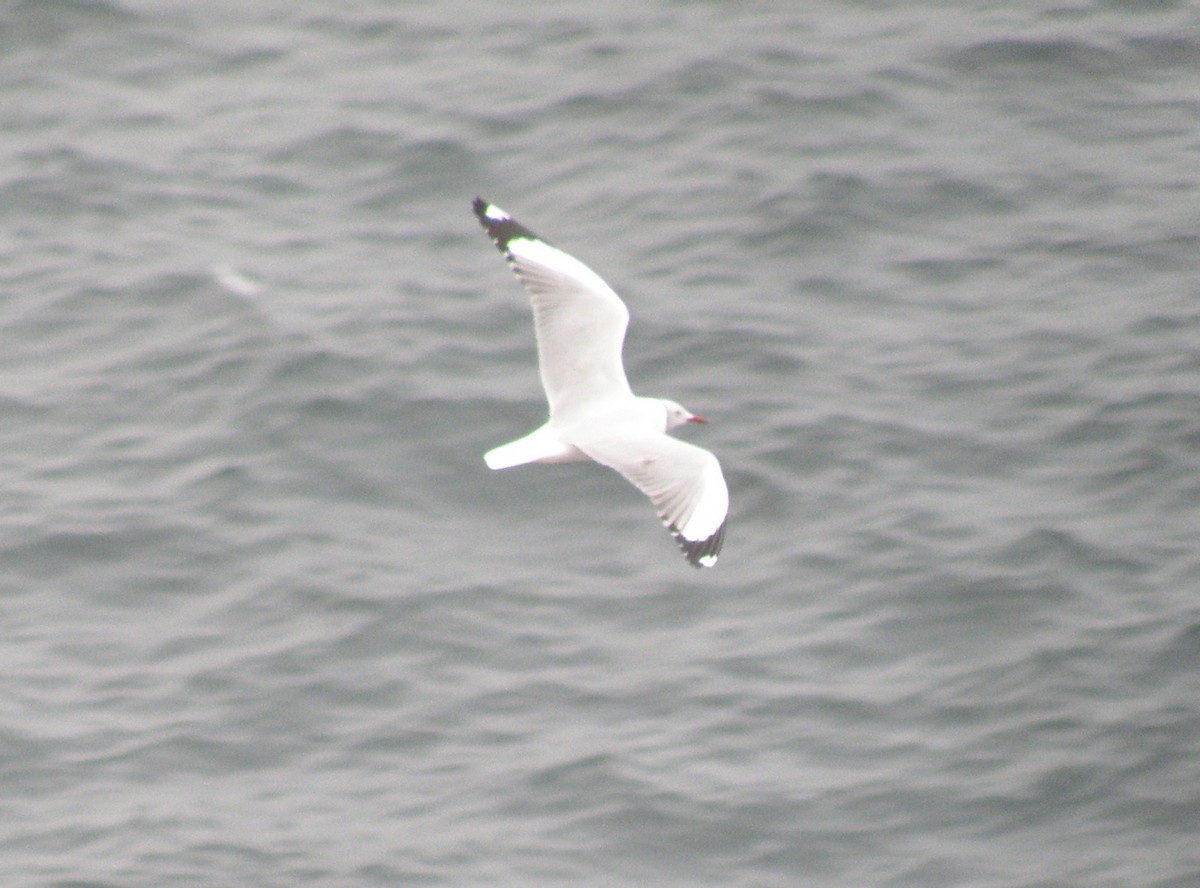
pixel 677 414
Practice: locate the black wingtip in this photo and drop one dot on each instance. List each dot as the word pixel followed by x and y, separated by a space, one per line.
pixel 500 226
pixel 700 553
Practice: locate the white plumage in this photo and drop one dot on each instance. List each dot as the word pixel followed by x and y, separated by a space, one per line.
pixel 580 325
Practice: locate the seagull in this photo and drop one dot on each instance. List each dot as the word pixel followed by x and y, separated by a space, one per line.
pixel 580 326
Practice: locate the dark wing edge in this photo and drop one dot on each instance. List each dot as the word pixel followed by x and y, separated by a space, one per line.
pixel 501 227
pixel 699 553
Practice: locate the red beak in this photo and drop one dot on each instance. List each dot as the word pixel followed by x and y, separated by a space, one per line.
pixel 699 419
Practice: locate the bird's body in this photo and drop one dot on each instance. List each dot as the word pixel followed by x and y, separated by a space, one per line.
pixel 580 325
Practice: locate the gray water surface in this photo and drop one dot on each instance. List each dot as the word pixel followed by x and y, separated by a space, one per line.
pixel 930 270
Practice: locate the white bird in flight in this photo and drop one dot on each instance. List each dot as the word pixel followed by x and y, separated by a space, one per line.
pixel 580 325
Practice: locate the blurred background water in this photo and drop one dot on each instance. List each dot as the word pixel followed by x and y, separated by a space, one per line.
pixel 930 268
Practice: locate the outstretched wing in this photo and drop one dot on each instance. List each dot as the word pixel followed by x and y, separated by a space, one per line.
pixel 683 481
pixel 579 321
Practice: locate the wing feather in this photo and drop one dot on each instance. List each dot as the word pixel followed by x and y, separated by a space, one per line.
pixel 684 482
pixel 579 321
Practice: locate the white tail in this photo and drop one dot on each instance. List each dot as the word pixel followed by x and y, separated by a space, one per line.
pixel 541 445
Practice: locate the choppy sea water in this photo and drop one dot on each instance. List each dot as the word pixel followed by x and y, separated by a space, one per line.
pixel 930 270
